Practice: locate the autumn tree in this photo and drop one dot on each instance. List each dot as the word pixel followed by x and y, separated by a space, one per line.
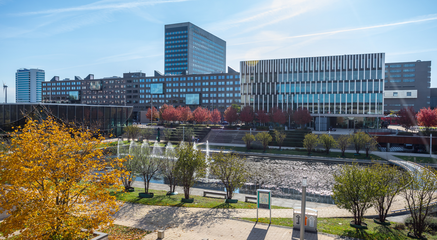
pixel 231 115
pixel 248 139
pixel 262 117
pixel 265 138
pixel 247 115
pixel 343 142
pixel 170 114
pixel 327 141
pixel 302 116
pixel 155 114
pixel 215 116
pixel 280 137
pixel 55 182
pixel 407 117
pixel 427 118
pixel 201 115
pixel 310 142
pixel 185 113
pixel 231 169
pixel 162 110
pixel 278 116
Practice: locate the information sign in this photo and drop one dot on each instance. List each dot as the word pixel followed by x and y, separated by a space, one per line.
pixel 264 200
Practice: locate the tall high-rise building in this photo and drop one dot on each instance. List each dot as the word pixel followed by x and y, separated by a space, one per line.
pixel 28 85
pixel 407 84
pixel 191 50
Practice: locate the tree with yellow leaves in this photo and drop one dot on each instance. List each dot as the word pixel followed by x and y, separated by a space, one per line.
pixel 55 182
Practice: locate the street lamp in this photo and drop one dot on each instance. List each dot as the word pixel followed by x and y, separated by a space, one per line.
pixel 318 109
pixel 302 209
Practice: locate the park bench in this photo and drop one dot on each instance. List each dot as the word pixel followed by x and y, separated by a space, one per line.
pixel 247 198
pixel 214 193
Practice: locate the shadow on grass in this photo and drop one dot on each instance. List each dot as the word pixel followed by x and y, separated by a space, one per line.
pixel 379 232
pixel 224 206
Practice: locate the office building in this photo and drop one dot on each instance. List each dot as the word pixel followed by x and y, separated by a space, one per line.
pixel 191 50
pixel 407 84
pixel 219 90
pixel 339 91
pixel 28 85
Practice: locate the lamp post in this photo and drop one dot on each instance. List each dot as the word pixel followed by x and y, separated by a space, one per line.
pixel 302 208
pixel 318 109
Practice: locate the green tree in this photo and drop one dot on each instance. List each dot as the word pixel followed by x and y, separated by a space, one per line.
pixel 327 142
pixel 168 166
pixel 146 165
pixel 186 134
pixel 419 195
pixel 190 166
pixel 343 142
pixel 265 138
pixel 358 139
pixel 280 137
pixel 310 142
pixel 248 139
pixel 370 144
pixel 354 189
pixel 231 169
pixel 132 132
pixel 147 133
pixel 389 182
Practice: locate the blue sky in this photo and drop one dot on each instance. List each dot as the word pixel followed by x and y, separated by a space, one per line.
pixel 110 37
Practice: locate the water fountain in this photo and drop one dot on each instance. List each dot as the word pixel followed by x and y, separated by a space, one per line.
pixel 157 150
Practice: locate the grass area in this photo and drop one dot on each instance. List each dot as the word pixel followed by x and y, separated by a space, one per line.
pixel 341 227
pixel 295 152
pixel 161 199
pixel 418 159
pixel 117 232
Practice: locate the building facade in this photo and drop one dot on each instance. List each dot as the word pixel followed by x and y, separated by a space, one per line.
pixel 339 91
pixel 212 91
pixel 191 50
pixel 28 85
pixel 407 84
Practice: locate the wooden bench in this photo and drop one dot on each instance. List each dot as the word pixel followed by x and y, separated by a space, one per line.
pixel 214 193
pixel 247 198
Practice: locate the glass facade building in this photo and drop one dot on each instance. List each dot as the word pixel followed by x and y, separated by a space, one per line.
pixel 191 50
pixel 330 87
pixel 108 119
pixel 28 85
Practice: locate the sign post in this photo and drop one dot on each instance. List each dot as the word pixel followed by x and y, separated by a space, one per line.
pixel 264 200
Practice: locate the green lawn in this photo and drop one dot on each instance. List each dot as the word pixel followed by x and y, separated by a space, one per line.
pixel 341 227
pixel 161 199
pixel 294 152
pixel 418 159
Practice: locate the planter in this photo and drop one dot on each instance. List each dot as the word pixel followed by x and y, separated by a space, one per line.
pixel 362 226
pixel 189 200
pixel 145 195
pixel 381 223
pixel 231 200
pixel 357 154
pixel 411 235
pixel 131 189
pixel 172 193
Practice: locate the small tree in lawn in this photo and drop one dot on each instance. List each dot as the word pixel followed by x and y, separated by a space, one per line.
pixel 146 165
pixel 343 142
pixel 427 118
pixel 132 132
pixel 201 115
pixel 278 116
pixel 231 169
pixel 280 137
pixel 419 195
pixel 147 133
pixel 302 116
pixel 407 117
pixel 370 144
pixel 358 139
pixel 247 115
pixel 328 142
pixel 155 115
pixel 248 139
pixel 354 189
pixel 168 166
pixel 262 117
pixel 389 182
pixel 265 138
pixel 190 166
pixel 310 142
pixel 215 116
pixel 231 115
pixel 128 175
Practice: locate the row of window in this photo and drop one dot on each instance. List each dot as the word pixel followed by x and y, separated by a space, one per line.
pixel 177 68
pixel 62 88
pixel 176 37
pixel 398 80
pixel 395 94
pixel 175 64
pixel 176 46
pixel 207 40
pixel 175 59
pixel 60 83
pixel 176 55
pixel 176 32
pixel 400 75
pixel 176 41
pixel 400 65
pixel 176 50
pixel 404 70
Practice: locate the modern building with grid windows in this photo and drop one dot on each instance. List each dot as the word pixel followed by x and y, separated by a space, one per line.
pixel 28 85
pixel 191 50
pixel 407 84
pixel 340 91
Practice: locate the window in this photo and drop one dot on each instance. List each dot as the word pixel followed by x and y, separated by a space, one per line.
pixel 408 80
pixel 409 75
pixel 409 65
pixel 395 94
pixel 396 75
pixel 395 70
pixel 408 94
pixel 410 70
pixel 395 81
pixel 395 65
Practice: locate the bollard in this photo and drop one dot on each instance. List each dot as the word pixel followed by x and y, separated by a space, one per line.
pixel 160 234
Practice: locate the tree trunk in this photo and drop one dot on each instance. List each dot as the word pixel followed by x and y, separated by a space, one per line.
pixel 187 192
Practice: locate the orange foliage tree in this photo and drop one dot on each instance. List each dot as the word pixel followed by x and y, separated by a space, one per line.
pixel 155 114
pixel 427 117
pixel 185 113
pixel 231 115
pixel 55 182
pixel 201 115
pixel 215 116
